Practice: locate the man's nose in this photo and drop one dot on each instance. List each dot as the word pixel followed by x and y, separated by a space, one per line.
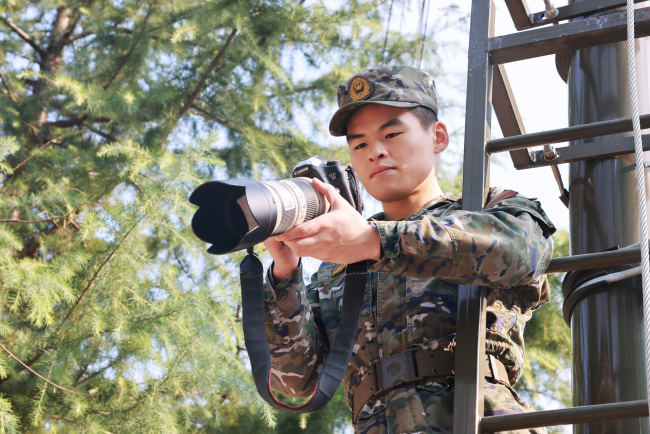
pixel 378 151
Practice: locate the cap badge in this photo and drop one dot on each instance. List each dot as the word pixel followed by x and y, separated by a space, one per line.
pixel 360 88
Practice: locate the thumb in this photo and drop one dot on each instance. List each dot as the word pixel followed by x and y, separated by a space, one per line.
pixel 328 190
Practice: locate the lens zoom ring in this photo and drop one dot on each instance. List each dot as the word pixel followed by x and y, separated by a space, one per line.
pixel 312 200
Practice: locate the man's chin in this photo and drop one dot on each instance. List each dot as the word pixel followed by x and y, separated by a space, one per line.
pixel 388 196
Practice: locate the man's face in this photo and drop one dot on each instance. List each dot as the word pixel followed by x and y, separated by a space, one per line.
pixel 391 152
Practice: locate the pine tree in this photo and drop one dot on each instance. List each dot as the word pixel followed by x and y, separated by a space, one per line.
pixel 113 316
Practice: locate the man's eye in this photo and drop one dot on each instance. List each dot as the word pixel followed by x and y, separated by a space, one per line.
pixel 391 135
pixel 360 146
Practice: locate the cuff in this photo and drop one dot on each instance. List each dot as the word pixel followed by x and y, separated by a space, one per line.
pixel 390 244
pixel 274 292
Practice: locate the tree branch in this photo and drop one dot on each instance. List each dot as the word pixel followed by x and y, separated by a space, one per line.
pixel 48 143
pixel 68 123
pixel 107 136
pixel 79 36
pixel 49 219
pixel 92 279
pixel 201 84
pixel 128 55
pixel 81 373
pixel 17 54
pixel 5 83
pixel 24 36
pixel 225 122
pixel 93 375
pixel 29 363
pixel 162 315
pixel 43 378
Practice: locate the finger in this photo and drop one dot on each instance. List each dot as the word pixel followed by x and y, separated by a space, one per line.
pixel 304 230
pixel 273 243
pixel 303 246
pixel 328 190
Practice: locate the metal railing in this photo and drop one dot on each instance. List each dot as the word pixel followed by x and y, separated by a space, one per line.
pixel 487 82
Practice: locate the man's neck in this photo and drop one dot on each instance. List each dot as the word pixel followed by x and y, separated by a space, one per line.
pixel 402 209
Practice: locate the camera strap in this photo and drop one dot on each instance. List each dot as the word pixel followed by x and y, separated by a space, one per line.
pixel 336 363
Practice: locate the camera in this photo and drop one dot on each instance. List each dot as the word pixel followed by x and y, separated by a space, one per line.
pixel 236 214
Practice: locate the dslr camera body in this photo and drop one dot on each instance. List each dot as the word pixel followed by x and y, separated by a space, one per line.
pixel 236 214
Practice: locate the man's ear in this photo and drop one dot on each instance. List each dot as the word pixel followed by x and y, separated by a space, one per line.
pixel 442 137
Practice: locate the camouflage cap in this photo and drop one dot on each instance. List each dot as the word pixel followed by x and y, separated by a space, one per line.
pixel 397 86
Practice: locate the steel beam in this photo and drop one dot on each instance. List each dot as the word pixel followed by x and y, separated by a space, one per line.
pixel 507 113
pixel 577 10
pixel 519 13
pixel 470 337
pixel 524 20
pixel 560 135
pixel 607 148
pixel 565 416
pixel 588 32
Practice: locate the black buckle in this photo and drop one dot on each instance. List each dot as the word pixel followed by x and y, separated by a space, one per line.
pixel 396 370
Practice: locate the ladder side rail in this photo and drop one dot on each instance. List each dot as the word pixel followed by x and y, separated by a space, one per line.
pixel 565 416
pixel 602 30
pixel 470 337
pixel 571 36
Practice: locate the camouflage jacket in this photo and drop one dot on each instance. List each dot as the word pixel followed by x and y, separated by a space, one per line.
pixel 410 301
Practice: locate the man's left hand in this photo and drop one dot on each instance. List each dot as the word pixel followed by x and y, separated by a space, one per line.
pixel 341 236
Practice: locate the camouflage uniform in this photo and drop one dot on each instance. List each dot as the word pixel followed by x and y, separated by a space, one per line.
pixel 410 301
pixel 411 294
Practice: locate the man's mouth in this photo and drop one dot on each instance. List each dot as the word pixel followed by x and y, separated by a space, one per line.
pixel 380 169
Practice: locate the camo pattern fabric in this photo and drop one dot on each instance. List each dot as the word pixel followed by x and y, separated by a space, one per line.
pixel 410 301
pixel 398 86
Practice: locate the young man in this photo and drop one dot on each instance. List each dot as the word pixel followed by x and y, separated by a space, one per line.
pixel 422 247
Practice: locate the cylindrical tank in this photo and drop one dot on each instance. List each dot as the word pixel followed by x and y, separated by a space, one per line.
pixel 607 324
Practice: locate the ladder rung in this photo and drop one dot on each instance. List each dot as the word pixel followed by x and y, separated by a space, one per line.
pixel 565 416
pixel 588 151
pixel 595 260
pixel 587 32
pixel 564 134
pixel 523 19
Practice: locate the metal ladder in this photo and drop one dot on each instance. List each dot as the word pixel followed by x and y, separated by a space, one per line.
pixel 487 88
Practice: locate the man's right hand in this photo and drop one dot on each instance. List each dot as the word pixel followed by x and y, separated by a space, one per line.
pixel 284 260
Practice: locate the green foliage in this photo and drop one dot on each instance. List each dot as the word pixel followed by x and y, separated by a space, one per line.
pixel 334 417
pixel 548 344
pixel 111 113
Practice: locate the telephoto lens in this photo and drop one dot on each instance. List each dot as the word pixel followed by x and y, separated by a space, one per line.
pixel 238 213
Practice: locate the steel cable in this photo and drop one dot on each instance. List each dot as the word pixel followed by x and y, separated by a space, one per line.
pixel 641 190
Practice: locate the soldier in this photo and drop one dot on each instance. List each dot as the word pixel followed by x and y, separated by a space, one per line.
pixel 422 246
